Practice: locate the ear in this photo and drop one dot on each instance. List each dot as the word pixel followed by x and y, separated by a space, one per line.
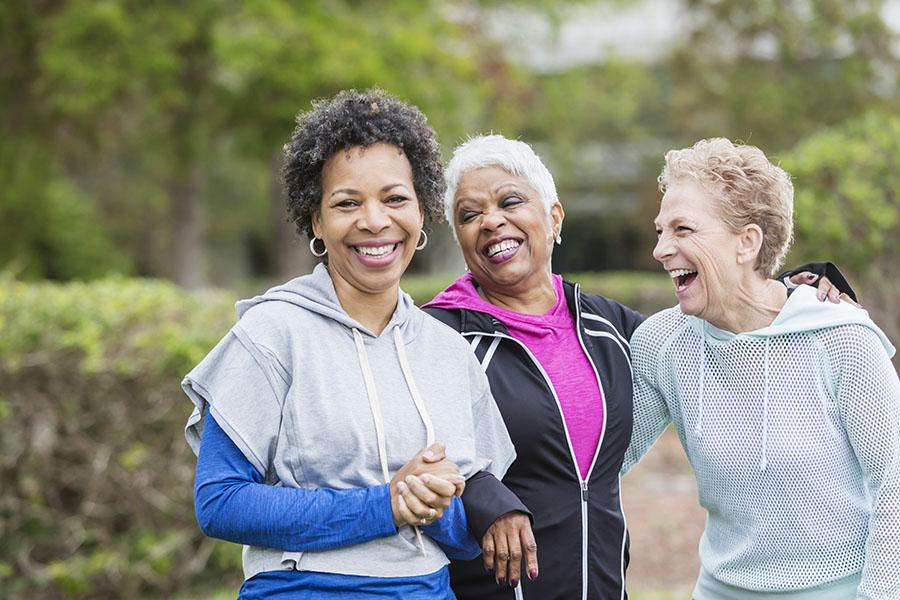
pixel 316 223
pixel 750 241
pixel 557 214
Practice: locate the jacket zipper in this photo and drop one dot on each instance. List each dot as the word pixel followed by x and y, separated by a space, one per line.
pixel 584 486
pixel 583 483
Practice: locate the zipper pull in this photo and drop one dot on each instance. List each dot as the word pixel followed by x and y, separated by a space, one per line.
pixel 584 491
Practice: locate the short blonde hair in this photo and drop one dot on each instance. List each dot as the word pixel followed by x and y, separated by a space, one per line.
pixel 749 187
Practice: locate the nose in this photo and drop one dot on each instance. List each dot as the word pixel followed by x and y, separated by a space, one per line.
pixel 664 248
pixel 374 216
pixel 492 220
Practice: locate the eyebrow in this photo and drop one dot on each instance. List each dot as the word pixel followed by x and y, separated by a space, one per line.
pixel 352 191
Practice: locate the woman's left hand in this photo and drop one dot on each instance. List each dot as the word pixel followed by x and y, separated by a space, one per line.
pixel 507 542
pixel 423 499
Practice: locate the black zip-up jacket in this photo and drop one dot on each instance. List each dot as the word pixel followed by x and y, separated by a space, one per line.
pixel 578 525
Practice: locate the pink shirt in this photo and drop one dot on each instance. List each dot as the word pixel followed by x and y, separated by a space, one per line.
pixel 552 339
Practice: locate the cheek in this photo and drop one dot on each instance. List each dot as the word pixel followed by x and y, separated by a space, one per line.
pixel 468 240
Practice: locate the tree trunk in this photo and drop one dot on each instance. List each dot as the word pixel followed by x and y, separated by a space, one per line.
pixel 189 228
pixel 289 249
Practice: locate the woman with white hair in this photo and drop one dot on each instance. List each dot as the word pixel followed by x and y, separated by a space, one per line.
pixel 787 408
pixel 558 363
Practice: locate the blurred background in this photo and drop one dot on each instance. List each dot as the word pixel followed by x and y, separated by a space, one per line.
pixel 140 147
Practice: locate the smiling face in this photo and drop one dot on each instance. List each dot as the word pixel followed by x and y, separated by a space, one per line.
pixel 705 258
pixel 504 230
pixel 369 218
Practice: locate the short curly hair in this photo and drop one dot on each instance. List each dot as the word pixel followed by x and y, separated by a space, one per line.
pixel 353 118
pixel 751 190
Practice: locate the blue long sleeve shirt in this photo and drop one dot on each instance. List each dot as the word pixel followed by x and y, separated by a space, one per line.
pixel 233 503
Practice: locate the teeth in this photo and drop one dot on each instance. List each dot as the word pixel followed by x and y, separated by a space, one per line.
pixel 680 272
pixel 376 250
pixel 499 247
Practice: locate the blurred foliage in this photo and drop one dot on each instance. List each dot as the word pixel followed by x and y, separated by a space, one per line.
pixel 144 138
pixel 847 207
pixel 770 72
pixel 96 476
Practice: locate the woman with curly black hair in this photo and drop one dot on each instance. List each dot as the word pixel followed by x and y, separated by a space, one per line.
pixel 326 406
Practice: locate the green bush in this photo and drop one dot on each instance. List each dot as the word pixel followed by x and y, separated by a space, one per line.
pixel 95 478
pixel 95 475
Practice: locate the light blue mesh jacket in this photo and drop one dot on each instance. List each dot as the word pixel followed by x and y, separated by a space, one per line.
pixel 793 432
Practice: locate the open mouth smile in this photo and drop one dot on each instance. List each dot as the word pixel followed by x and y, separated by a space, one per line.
pixel 501 250
pixel 375 255
pixel 683 278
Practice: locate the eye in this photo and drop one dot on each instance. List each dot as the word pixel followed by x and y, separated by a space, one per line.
pixel 466 216
pixel 683 229
pixel 511 201
pixel 396 199
pixel 346 203
pixel 658 232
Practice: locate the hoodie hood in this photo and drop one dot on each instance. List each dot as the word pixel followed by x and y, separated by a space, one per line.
pixel 803 311
pixel 315 292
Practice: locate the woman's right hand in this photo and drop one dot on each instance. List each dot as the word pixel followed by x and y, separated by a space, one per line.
pixel 423 488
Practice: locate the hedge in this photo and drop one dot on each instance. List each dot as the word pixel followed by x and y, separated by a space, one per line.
pixel 95 476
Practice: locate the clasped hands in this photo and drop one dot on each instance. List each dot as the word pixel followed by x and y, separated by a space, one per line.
pixel 423 488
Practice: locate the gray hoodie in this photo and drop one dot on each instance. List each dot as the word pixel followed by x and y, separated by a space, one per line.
pixel 313 399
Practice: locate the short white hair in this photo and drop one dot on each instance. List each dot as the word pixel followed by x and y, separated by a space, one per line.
pixel 513 156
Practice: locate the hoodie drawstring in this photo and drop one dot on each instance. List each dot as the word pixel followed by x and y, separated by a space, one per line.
pixel 375 406
pixel 764 461
pixel 411 384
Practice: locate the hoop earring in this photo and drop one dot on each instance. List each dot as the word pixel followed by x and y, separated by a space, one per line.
pixel 423 241
pixel 312 248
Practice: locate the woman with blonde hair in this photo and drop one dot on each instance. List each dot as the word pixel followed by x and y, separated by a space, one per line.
pixel 788 408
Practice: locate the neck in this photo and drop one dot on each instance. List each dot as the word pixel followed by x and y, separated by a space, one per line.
pixel 754 304
pixel 532 300
pixel 372 310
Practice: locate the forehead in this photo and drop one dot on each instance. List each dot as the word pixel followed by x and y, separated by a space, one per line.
pixel 688 199
pixel 486 181
pixel 379 160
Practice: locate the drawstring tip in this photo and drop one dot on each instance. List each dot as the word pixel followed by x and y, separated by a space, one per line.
pixel 421 543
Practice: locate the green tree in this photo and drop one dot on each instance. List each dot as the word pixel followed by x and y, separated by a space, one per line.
pixel 771 72
pixel 847 207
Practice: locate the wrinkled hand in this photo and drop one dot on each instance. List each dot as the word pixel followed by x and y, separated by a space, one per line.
pixel 422 489
pixel 507 542
pixel 824 290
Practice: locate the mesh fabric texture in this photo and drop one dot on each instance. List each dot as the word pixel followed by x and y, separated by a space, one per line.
pixel 795 444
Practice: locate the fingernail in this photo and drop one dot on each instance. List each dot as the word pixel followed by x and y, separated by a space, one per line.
pixel 402 486
pixel 513 583
pixel 425 477
pixel 532 574
pixel 408 479
pixel 428 454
